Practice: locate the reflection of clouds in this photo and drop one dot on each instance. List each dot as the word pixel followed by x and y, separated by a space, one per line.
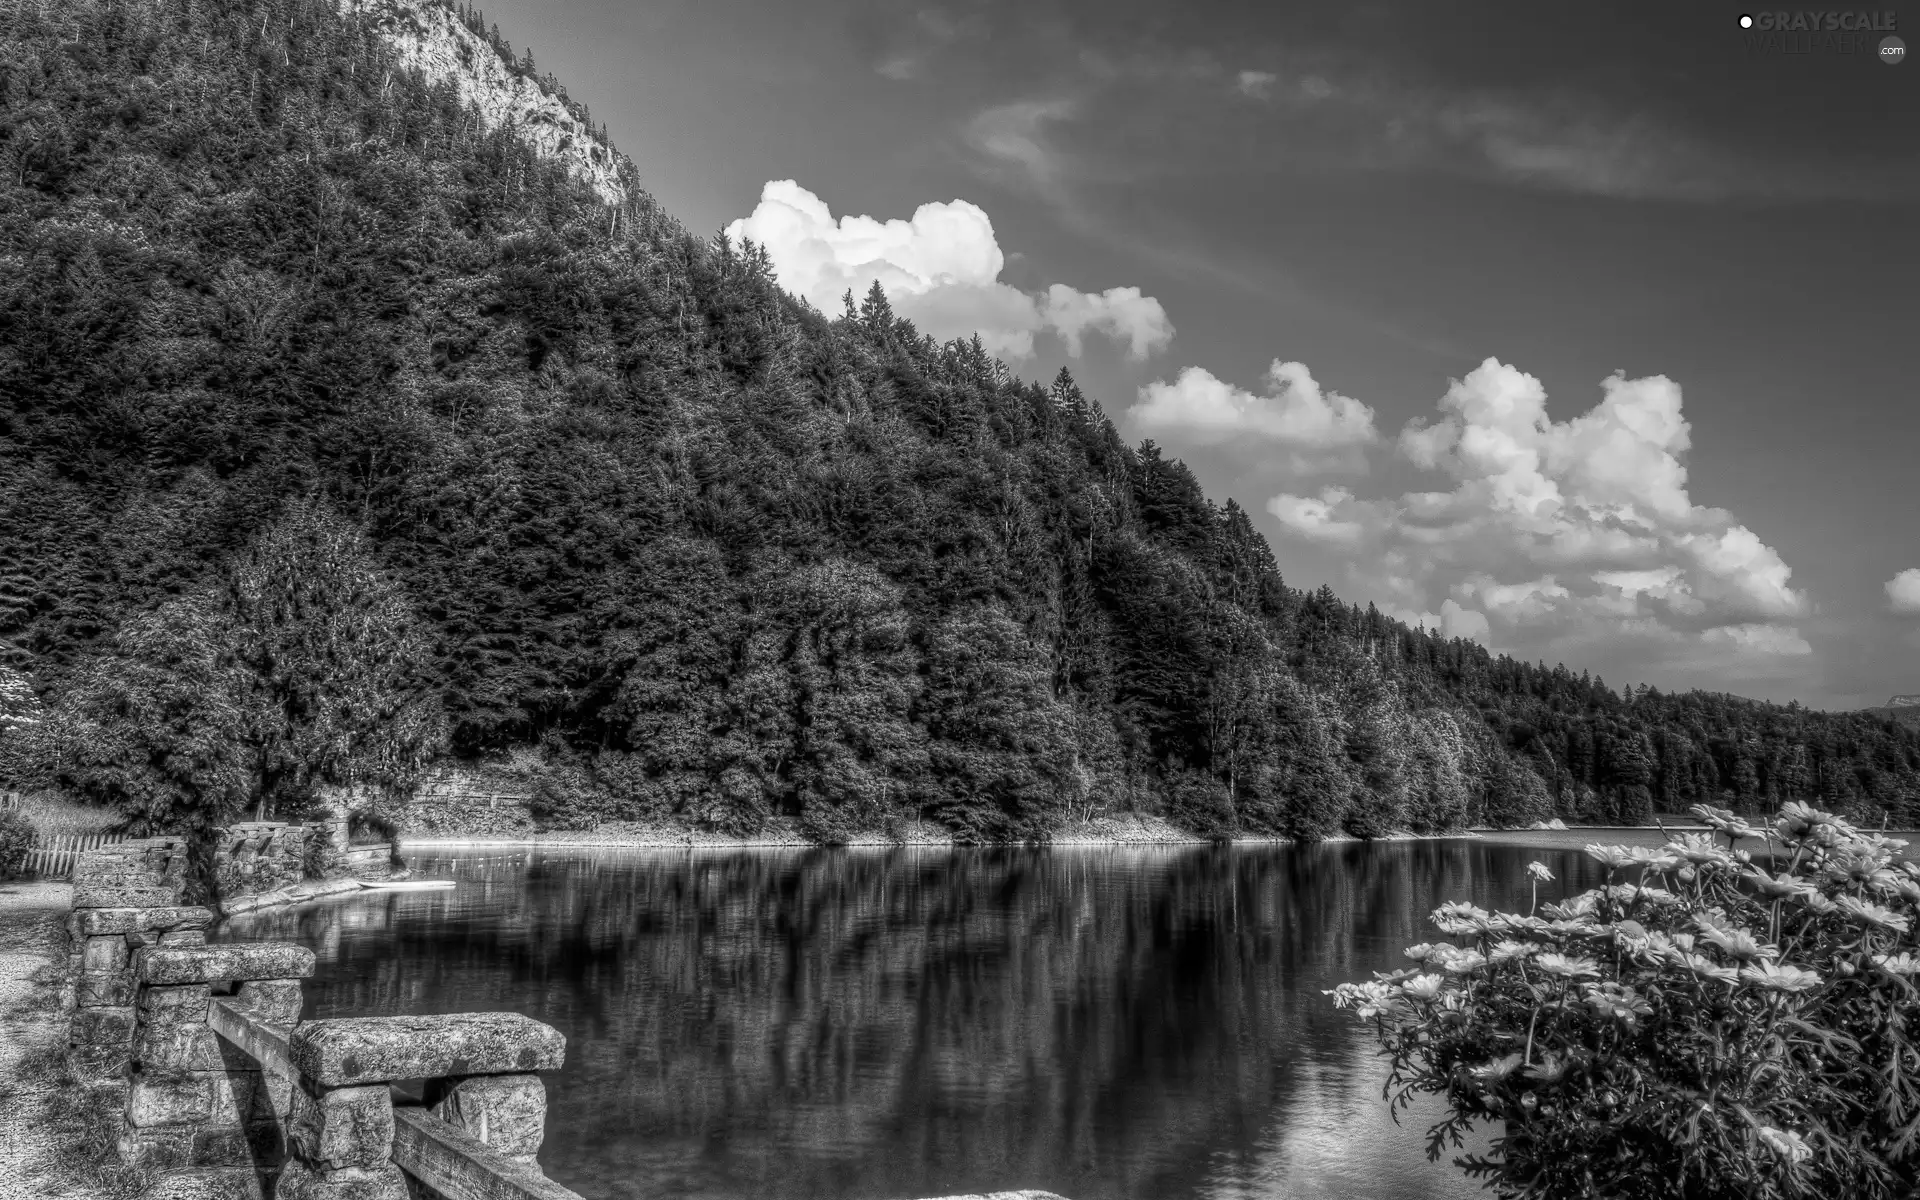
pixel 1335 1137
pixel 1122 1022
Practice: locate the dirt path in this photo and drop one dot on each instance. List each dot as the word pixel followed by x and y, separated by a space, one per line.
pixel 30 1031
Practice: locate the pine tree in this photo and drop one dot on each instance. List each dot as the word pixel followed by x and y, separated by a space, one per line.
pixel 337 663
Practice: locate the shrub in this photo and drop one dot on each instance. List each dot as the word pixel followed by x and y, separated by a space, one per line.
pixel 318 857
pixel 16 838
pixel 1702 1025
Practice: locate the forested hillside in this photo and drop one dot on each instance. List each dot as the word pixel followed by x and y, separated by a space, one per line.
pixel 583 480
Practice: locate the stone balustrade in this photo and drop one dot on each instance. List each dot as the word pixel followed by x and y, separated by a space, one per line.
pixel 476 1134
pixel 196 1103
pixel 126 897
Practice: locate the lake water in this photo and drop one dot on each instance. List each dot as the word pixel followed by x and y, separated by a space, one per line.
pixel 1107 1023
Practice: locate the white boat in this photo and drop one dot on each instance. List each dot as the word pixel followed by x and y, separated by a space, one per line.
pixel 406 885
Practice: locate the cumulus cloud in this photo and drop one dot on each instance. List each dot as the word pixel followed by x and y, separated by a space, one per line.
pixel 1563 534
pixel 941 269
pixel 1258 84
pixel 1453 620
pixel 1313 427
pixel 1903 591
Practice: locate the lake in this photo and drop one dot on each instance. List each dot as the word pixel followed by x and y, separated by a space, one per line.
pixel 1108 1023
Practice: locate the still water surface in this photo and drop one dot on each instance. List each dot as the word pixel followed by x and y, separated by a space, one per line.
pixel 1114 1023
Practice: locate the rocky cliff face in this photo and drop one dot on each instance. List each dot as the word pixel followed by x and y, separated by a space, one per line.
pixel 429 36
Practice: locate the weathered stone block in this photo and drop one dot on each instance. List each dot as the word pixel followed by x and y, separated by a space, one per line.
pixel 257 1045
pixel 275 1001
pixel 344 1127
pixel 94 921
pixel 184 937
pixel 355 1050
pixel 174 1004
pixel 103 989
pixel 237 960
pixel 107 952
pixel 152 894
pixel 298 1181
pixel 171 1049
pixel 507 1112
pixel 233 1093
pixel 221 1146
pixel 157 1149
pixel 161 1100
pixel 107 1025
pixel 208 1183
pixel 98 1064
pixel 109 865
pixel 273 1099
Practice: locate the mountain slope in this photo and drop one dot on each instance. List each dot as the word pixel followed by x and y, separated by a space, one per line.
pixel 719 556
pixel 1905 709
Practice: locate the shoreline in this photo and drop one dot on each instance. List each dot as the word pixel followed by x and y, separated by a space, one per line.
pixel 1149 832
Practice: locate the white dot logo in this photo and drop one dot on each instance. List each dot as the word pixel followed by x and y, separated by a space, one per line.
pixel 1893 51
pixel 1746 22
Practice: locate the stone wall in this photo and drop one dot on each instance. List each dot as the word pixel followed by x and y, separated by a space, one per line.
pixel 259 856
pixel 126 898
pixel 466 800
pixel 262 863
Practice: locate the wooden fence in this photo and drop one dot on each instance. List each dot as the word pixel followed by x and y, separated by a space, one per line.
pixel 53 857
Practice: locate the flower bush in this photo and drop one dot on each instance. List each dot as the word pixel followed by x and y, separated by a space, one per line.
pixel 1710 1022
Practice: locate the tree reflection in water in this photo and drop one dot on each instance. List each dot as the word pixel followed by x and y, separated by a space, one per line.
pixel 1102 1022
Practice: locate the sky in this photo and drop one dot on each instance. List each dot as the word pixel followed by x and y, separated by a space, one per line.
pixel 1582 332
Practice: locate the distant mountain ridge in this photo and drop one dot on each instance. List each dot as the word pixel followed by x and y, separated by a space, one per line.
pixel 1904 709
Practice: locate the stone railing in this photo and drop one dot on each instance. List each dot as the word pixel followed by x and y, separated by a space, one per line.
pixel 230 1096
pixel 193 1104
pixel 126 897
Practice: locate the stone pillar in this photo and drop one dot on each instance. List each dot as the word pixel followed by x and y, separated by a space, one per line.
pixel 507 1112
pixel 256 857
pixel 125 897
pixel 198 1106
pixel 479 1069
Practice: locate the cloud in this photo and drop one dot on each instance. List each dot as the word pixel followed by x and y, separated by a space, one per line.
pixel 1453 620
pixel 1013 137
pixel 1562 534
pixel 1317 519
pixel 907 46
pixel 1903 591
pixel 1313 427
pixel 1122 313
pixel 941 269
pixel 1257 84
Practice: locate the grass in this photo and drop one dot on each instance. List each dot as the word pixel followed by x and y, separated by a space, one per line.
pixel 53 815
pixel 84 1119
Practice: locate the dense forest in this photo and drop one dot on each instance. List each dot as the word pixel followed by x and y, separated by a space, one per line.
pixel 339 432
